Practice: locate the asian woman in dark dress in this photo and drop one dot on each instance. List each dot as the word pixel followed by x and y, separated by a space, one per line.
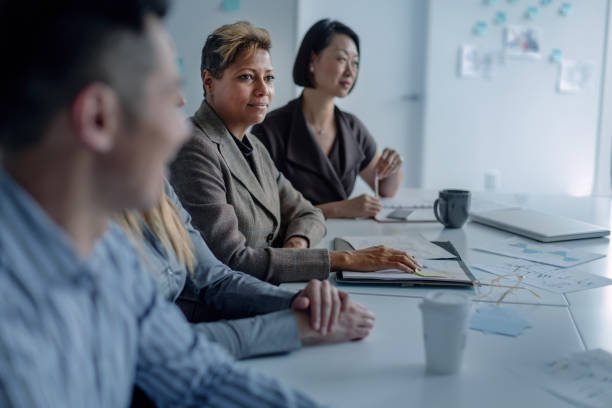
pixel 317 146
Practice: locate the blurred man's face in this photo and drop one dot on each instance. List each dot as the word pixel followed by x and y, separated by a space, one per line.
pixel 138 161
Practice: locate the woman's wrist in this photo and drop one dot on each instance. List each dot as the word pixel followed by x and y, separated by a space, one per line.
pixel 339 260
pixel 329 210
pixel 389 185
pixel 333 210
pixel 308 336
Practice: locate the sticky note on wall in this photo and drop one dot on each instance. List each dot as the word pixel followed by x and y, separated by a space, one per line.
pixel 556 55
pixel 230 5
pixel 531 13
pixel 180 64
pixel 500 17
pixel 565 9
pixel 480 28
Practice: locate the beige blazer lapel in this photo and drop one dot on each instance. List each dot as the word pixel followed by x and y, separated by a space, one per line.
pixel 208 121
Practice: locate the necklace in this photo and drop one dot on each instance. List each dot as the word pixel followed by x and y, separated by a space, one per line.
pixel 325 128
pixel 320 131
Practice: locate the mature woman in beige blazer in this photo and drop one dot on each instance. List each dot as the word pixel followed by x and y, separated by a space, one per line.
pixel 248 213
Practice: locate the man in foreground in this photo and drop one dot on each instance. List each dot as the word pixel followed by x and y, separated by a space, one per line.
pixel 87 124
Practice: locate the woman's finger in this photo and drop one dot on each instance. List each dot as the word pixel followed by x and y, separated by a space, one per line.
pixel 336 306
pixel 361 333
pixel 315 308
pixel 402 267
pixel 366 324
pixel 326 306
pixel 346 300
pixel 406 260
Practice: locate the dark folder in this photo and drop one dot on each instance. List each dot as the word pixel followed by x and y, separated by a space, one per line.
pixel 411 279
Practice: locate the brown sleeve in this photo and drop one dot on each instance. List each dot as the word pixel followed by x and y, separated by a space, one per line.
pixel 365 140
pixel 199 179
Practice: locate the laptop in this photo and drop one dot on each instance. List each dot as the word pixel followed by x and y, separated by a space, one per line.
pixel 539 226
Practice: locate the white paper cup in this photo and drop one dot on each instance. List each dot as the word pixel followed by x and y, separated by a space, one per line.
pixel 446 316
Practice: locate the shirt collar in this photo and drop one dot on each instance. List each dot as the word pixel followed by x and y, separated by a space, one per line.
pixel 245 146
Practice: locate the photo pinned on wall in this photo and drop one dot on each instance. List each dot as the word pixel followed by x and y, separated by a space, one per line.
pixel 475 63
pixel 575 76
pixel 520 41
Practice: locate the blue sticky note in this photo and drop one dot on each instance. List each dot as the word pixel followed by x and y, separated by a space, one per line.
pixel 498 320
pixel 181 66
pixel 565 9
pixel 556 55
pixel 500 17
pixel 531 13
pixel 545 2
pixel 230 5
pixel 480 28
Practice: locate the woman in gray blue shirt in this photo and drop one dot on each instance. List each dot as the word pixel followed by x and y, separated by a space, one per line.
pixel 261 319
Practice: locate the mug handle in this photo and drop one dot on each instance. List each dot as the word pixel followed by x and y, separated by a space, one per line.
pixel 435 207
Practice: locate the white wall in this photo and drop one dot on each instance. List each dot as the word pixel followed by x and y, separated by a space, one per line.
pixel 603 169
pixel 191 21
pixel 516 122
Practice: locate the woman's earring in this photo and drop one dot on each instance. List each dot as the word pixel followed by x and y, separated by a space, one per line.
pixel 311 68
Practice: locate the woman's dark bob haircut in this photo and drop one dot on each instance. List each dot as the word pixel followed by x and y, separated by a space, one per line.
pixel 316 40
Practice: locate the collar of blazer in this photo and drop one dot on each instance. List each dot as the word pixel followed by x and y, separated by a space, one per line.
pixel 207 120
pixel 304 151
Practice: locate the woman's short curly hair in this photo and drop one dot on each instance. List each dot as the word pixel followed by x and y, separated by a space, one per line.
pixel 223 46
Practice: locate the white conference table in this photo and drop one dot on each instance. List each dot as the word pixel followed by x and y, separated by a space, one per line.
pixel 388 368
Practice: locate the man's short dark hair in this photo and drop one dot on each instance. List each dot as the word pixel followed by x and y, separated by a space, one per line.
pixel 52 49
pixel 316 40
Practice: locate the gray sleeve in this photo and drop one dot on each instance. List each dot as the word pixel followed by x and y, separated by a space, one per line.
pixel 233 293
pixel 303 219
pixel 179 366
pixel 365 140
pixel 268 334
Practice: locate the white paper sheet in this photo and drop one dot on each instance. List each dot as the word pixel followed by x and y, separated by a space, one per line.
pixel 437 269
pixel 409 202
pixel 417 215
pixel 558 280
pixel 485 294
pixel 584 378
pixel 493 288
pixel 414 244
pixel 543 253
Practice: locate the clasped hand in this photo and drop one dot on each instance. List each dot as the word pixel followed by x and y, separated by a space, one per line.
pixel 326 314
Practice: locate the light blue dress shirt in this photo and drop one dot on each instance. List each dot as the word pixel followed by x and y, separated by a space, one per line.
pixel 79 332
pixel 227 293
